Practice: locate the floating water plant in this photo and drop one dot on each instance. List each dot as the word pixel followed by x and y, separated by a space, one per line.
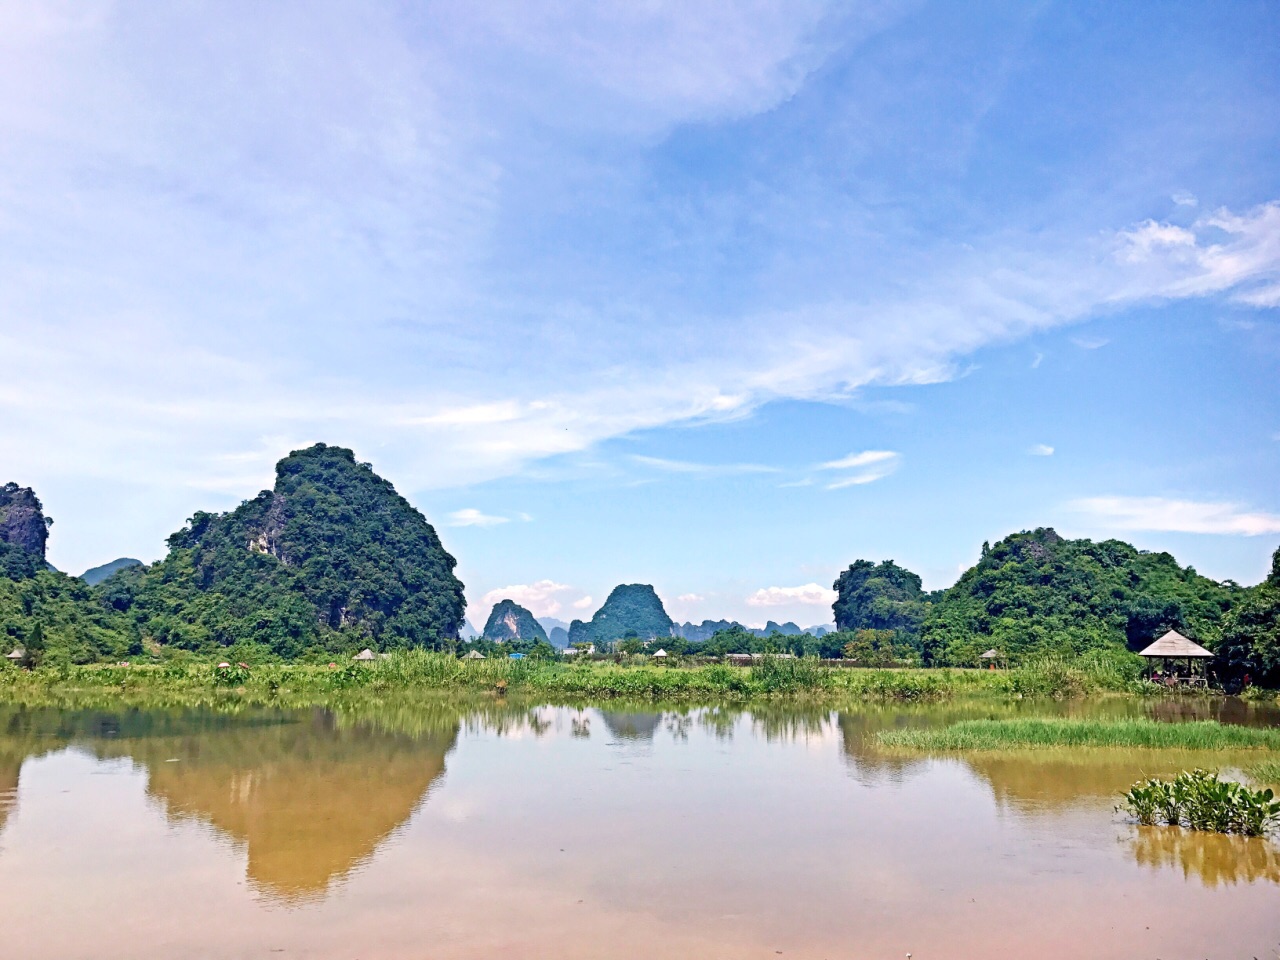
pixel 1200 800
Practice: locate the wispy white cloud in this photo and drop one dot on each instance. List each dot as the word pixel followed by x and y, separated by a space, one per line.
pixel 872 465
pixel 1037 360
pixel 1184 198
pixel 471 517
pixel 809 594
pixel 1041 450
pixel 1090 343
pixel 690 597
pixel 1178 516
pixel 540 598
pixel 863 459
pixel 583 603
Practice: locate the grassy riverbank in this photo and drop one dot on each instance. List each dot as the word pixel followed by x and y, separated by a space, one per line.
pixel 636 679
pixel 1052 733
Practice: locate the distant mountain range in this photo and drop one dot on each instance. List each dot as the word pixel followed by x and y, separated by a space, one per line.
pixel 95 575
pixel 698 632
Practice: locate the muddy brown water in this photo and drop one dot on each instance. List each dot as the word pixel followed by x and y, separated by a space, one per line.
pixel 446 830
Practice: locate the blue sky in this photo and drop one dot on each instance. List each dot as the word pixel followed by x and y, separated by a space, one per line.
pixel 714 296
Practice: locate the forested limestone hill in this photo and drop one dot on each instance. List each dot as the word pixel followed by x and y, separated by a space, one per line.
pixel 631 610
pixel 331 555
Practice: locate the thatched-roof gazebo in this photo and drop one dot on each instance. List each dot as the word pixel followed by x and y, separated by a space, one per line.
pixel 1173 646
pixel 18 654
pixel 365 654
pixel 474 655
pixel 661 653
pixel 992 657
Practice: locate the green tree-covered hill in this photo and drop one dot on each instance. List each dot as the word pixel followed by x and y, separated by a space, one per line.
pixel 1036 592
pixel 879 596
pixel 631 610
pixel 331 556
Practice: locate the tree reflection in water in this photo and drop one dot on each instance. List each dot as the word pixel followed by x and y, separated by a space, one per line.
pixel 1214 859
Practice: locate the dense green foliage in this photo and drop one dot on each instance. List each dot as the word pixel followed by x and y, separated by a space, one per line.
pixel 879 596
pixel 1036 592
pixel 510 621
pixel 631 610
pixel 331 557
pixel 1251 632
pixel 1199 800
pixel 60 620
pixel 17 563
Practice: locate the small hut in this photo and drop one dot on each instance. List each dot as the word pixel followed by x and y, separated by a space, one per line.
pixel 474 655
pixel 660 653
pixel 992 658
pixel 365 654
pixel 1171 648
pixel 17 656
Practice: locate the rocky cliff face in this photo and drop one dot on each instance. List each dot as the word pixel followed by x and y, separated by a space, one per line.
pixel 22 520
pixel 510 621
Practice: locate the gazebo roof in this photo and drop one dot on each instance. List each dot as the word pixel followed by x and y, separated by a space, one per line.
pixel 365 654
pixel 474 655
pixel 990 655
pixel 661 653
pixel 1175 645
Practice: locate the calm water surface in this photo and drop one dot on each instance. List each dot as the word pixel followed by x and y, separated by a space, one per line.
pixel 453 831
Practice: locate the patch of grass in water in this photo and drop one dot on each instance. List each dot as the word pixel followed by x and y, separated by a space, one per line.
pixel 1020 734
pixel 1268 772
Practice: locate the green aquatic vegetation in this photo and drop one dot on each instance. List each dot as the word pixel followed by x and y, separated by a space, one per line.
pixel 1199 800
pixel 1266 772
pixel 406 671
pixel 1018 734
pixel 1063 678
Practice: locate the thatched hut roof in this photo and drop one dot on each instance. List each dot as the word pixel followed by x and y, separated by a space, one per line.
pixel 474 655
pixel 17 654
pixel 992 654
pixel 365 654
pixel 661 653
pixel 1175 645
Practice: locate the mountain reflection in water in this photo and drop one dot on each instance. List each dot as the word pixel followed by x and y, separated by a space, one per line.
pixel 711 832
pixel 309 800
pixel 309 797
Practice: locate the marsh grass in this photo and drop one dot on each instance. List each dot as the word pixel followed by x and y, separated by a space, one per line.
pixel 1266 772
pixel 1049 733
pixel 1063 678
pixel 769 678
pixel 635 678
